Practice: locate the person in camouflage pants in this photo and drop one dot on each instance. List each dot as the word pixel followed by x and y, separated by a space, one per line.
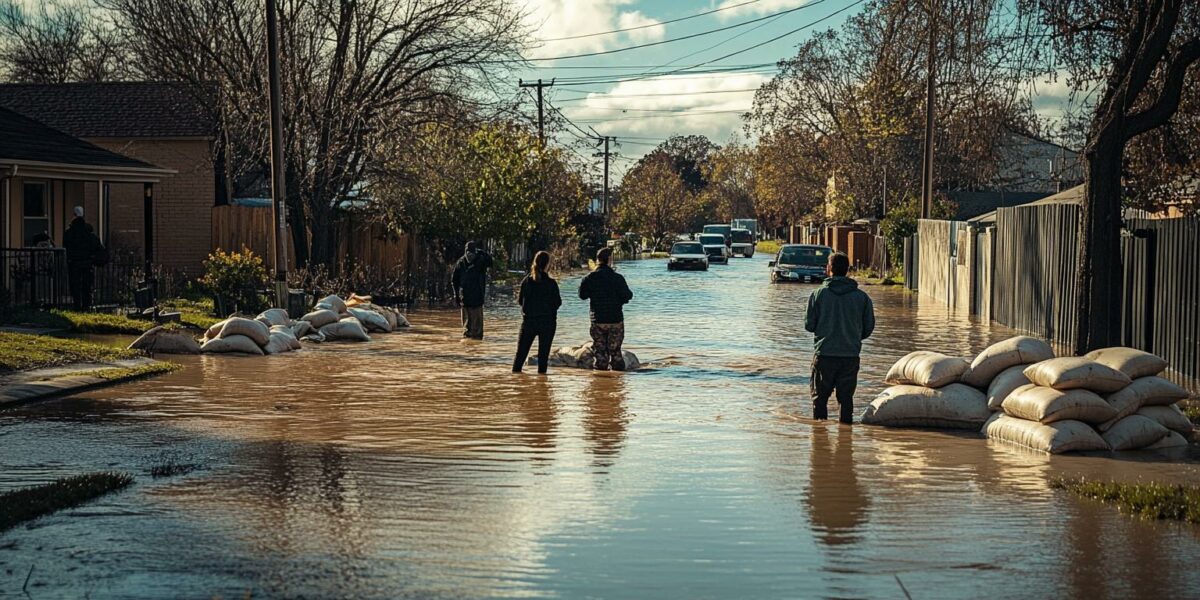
pixel 606 346
pixel 608 293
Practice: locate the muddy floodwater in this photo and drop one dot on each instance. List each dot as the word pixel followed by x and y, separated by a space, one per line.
pixel 418 466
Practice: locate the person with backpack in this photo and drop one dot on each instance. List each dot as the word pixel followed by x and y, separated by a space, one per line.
pixel 470 288
pixel 84 251
pixel 840 316
pixel 539 299
pixel 608 293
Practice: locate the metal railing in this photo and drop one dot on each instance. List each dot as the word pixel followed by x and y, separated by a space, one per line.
pixel 38 277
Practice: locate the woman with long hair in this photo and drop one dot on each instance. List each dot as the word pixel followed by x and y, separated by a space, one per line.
pixel 539 300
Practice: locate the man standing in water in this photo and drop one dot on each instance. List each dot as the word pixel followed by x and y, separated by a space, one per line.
pixel 841 316
pixel 470 288
pixel 608 292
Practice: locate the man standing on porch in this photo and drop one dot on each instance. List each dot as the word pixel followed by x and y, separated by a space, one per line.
pixel 82 246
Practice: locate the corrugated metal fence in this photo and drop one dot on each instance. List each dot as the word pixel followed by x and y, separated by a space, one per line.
pixel 1034 270
pixel 1161 312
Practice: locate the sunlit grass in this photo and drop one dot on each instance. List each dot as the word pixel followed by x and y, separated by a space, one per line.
pixel 1146 500
pixel 26 504
pixel 122 373
pixel 768 246
pixel 19 351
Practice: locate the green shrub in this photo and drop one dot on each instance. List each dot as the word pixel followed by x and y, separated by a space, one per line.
pixel 236 277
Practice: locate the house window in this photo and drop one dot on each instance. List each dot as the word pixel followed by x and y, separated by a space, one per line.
pixel 36 212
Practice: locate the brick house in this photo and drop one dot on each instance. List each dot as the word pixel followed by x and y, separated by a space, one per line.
pixel 158 124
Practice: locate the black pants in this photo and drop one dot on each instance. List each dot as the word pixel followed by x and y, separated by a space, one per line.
pixel 830 373
pixel 79 279
pixel 541 328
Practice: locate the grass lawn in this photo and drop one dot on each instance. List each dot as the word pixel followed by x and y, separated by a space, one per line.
pixel 115 373
pixel 23 505
pixel 19 351
pixel 768 246
pixel 1146 500
pixel 197 314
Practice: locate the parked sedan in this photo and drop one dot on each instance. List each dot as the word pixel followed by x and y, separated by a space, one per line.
pixel 800 262
pixel 715 247
pixel 687 255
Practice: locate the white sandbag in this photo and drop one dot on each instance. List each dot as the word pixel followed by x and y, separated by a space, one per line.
pixel 1134 432
pixel 1020 350
pixel 1073 372
pixel 581 357
pixel 1130 361
pixel 320 318
pixel 346 330
pixel 401 320
pixel 955 406
pixel 1055 438
pixel 1047 405
pixel 232 344
pixel 335 303
pixel 370 319
pixel 1168 416
pixel 302 328
pixel 248 327
pixel 214 330
pixel 273 316
pixel 1156 391
pixel 279 343
pixel 325 306
pixel 388 314
pixel 161 340
pixel 1170 441
pixel 1004 384
pixel 293 341
pixel 315 337
pixel 927 369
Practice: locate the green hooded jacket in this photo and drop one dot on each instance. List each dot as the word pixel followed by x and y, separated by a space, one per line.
pixel 841 316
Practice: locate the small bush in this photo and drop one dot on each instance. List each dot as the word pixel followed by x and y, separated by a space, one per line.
pixel 23 505
pixel 237 277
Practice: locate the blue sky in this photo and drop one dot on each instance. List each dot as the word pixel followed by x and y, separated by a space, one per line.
pixel 649 109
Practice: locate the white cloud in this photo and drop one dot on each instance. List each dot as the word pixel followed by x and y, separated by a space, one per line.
pixel 551 19
pixel 763 7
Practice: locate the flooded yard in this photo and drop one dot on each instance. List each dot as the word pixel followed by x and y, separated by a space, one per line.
pixel 418 466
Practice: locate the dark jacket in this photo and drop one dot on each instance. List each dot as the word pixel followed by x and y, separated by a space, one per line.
pixel 470 278
pixel 539 299
pixel 608 292
pixel 80 242
pixel 841 316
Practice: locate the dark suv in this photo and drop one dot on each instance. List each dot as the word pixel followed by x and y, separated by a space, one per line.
pixel 800 262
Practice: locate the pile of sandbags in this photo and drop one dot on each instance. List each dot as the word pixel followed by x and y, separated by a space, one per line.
pixel 334 319
pixel 271 332
pixel 926 392
pixel 1111 399
pixel 581 357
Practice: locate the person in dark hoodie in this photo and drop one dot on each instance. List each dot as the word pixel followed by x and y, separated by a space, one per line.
pixel 82 247
pixel 470 288
pixel 841 316
pixel 539 300
pixel 608 292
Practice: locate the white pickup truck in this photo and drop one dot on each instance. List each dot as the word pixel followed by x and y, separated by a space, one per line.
pixel 743 242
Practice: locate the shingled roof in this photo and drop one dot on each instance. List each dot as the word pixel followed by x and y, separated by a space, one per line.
pixel 27 141
pixel 111 109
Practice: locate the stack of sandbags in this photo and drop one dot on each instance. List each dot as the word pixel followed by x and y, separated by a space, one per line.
pixel 271 332
pixel 335 319
pixel 1000 368
pixel 581 357
pixel 1147 415
pixel 926 392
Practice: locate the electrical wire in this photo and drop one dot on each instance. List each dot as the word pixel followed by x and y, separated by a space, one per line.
pixel 599 94
pixel 655 24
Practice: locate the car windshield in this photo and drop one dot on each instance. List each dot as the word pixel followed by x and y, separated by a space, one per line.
pixel 712 240
pixel 808 256
pixel 692 248
pixel 742 236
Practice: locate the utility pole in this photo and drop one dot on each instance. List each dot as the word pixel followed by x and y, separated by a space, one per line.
pixel 927 160
pixel 541 115
pixel 605 139
pixel 278 183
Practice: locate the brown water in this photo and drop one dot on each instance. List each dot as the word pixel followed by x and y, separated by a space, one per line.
pixel 417 466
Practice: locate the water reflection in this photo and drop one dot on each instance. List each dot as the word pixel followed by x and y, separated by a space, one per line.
pixel 836 501
pixel 604 419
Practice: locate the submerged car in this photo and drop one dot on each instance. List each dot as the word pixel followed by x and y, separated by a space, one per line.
pixel 687 256
pixel 714 247
pixel 743 243
pixel 800 262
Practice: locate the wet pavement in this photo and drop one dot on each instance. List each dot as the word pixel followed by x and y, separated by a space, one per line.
pixel 418 466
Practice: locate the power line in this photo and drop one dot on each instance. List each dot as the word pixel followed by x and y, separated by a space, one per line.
pixel 670 116
pixel 655 24
pixel 599 94
pixel 612 67
pixel 703 74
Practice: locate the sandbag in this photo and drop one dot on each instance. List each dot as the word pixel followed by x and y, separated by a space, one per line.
pixel 346 330
pixel 581 357
pixel 161 340
pixel 1073 372
pixel 356 300
pixel 955 406
pixel 316 337
pixel 302 328
pixel 1004 384
pixel 1168 416
pixel 401 320
pixel 1130 361
pixel 214 330
pixel 387 313
pixel 233 344
pixel 1156 391
pixel 248 327
pixel 1169 441
pixel 1134 432
pixel 279 343
pixel 370 319
pixel 1047 405
pixel 335 303
pixel 1019 350
pixel 927 369
pixel 273 316
pixel 320 318
pixel 293 341
pixel 1055 438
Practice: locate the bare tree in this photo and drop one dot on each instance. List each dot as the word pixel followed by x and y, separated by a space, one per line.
pixel 55 43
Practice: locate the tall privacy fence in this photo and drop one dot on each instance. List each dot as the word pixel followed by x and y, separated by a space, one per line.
pixel 1020 272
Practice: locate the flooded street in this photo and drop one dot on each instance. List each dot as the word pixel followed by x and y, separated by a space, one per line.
pixel 418 466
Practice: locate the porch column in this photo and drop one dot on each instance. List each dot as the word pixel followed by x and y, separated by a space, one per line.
pixel 102 210
pixel 148 237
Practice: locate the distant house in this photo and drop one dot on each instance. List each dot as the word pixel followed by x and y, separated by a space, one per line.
pixel 1030 169
pixel 160 127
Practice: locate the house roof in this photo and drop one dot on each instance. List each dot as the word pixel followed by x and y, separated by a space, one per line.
pixel 1073 195
pixel 111 109
pixel 28 143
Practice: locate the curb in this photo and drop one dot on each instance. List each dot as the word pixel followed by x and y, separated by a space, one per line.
pixel 19 394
